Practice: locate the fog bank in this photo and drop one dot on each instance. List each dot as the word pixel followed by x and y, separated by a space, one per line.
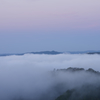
pixel 31 76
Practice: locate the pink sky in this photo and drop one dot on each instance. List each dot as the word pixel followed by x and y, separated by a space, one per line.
pixel 49 14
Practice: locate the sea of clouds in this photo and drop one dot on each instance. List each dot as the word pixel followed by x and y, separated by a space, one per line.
pixel 32 76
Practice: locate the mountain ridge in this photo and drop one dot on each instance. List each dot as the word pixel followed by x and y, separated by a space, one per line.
pixel 52 53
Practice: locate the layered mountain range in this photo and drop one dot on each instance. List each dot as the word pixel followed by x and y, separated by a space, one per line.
pixel 52 53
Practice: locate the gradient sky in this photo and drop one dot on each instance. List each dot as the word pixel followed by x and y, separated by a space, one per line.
pixel 39 25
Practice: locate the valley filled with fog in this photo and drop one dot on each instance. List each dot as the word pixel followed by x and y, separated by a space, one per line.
pixel 34 76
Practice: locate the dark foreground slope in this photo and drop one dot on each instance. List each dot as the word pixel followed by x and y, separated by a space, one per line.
pixel 86 91
pixel 83 93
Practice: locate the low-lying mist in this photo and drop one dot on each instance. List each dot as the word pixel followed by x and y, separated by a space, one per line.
pixel 34 77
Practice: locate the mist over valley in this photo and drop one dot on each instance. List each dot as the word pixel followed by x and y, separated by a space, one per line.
pixel 37 77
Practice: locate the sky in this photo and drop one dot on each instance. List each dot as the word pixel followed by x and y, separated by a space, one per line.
pixel 40 25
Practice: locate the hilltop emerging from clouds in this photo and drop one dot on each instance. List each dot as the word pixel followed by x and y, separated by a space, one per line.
pixel 87 91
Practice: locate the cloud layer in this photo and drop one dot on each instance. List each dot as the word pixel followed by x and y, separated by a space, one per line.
pixel 31 76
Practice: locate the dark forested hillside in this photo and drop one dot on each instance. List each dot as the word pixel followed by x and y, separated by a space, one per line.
pixel 86 91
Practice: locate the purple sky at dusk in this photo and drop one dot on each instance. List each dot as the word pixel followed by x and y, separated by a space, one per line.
pixel 49 25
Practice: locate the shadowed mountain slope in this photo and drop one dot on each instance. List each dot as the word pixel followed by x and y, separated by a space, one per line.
pixel 86 91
